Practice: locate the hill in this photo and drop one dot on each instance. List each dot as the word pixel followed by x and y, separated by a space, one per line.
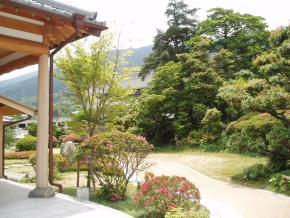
pixel 24 88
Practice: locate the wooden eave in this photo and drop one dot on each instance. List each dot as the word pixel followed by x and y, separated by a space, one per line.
pixel 53 30
pixel 10 107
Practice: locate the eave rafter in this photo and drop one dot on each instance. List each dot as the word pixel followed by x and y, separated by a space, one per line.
pixel 21 25
pixel 21 45
pixel 19 63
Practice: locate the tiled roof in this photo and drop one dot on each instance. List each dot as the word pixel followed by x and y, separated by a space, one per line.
pixel 134 81
pixel 60 9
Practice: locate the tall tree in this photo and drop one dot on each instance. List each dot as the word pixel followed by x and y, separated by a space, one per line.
pixel 242 36
pixel 91 74
pixel 179 94
pixel 274 65
pixel 181 27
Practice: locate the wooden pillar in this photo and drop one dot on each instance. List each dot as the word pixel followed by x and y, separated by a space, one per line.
pixel 42 187
pixel 1 146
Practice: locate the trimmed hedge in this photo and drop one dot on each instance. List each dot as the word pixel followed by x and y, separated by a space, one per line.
pixel 18 155
pixel 28 143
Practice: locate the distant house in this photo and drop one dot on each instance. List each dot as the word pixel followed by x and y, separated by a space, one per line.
pixel 136 83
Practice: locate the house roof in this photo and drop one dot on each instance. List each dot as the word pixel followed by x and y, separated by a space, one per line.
pixel 29 28
pixel 60 9
pixel 11 107
pixel 135 82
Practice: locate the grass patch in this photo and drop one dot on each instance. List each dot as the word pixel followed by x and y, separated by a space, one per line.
pixel 16 161
pixel 127 206
pixel 218 165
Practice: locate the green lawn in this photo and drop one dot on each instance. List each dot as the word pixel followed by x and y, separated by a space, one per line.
pixel 16 161
pixel 218 165
pixel 126 206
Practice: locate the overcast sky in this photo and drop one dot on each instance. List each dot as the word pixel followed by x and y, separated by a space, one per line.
pixel 137 20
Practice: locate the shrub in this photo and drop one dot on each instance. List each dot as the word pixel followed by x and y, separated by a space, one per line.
pixel 254 172
pixel 61 164
pixel 212 147
pixel 113 158
pixel 18 155
pixel 28 143
pixel 246 142
pixel 160 194
pixel 194 139
pixel 248 133
pixel 279 148
pixel 211 123
pixel 277 182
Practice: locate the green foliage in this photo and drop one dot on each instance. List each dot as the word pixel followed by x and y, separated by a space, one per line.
pixel 180 213
pixel 274 64
pixel 248 133
pixel 93 77
pixel 262 122
pixel 113 158
pixel 207 137
pixel 61 164
pixel 179 95
pixel 238 37
pixel 254 172
pixel 9 136
pixel 159 194
pixel 279 148
pixel 279 183
pixel 57 131
pixel 167 45
pixel 32 129
pixel 274 100
pixel 27 143
pixel 211 123
pixel 245 142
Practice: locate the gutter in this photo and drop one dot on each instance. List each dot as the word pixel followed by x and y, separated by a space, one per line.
pixel 3 151
pixel 78 20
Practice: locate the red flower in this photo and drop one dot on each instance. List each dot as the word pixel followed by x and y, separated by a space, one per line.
pixel 144 187
pixel 162 190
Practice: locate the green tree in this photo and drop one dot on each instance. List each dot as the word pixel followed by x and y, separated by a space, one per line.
pixel 274 65
pixel 167 45
pixel 242 36
pixel 179 94
pixel 92 76
pixel 9 136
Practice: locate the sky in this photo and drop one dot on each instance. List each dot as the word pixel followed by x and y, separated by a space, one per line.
pixel 137 20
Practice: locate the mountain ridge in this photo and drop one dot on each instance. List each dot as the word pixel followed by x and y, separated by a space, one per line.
pixel 24 88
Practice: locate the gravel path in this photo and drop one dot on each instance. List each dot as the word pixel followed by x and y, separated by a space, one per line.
pixel 235 200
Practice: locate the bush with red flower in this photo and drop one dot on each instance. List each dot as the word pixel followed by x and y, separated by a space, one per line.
pixel 160 194
pixel 114 158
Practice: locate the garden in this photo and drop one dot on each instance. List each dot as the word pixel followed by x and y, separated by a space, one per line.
pixel 218 103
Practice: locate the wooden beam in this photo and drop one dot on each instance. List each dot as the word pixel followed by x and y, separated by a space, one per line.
pixel 19 63
pixel 21 45
pixel 20 25
pixel 16 106
pixel 8 111
pixel 3 55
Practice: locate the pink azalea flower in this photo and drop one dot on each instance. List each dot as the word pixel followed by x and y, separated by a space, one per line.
pixel 109 146
pixel 141 138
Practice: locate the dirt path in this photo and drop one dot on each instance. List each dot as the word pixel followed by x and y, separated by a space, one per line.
pixel 248 202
